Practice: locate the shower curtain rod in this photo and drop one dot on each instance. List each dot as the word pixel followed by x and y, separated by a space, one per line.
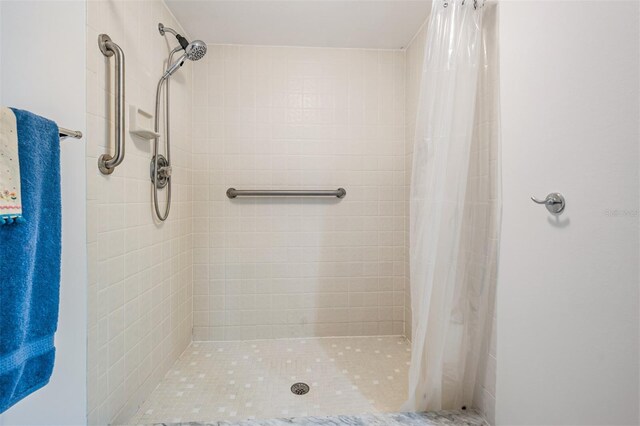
pixel 66 133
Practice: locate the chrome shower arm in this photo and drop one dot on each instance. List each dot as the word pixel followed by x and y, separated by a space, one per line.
pixel 162 29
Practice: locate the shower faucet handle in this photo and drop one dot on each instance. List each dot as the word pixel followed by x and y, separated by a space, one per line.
pixel 164 171
pixel 554 202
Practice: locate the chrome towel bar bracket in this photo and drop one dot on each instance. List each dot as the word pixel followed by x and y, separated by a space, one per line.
pixel 106 162
pixel 234 193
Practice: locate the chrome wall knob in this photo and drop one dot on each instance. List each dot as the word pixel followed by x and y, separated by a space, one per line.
pixel 160 178
pixel 554 202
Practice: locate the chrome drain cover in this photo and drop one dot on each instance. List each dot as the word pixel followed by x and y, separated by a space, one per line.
pixel 300 388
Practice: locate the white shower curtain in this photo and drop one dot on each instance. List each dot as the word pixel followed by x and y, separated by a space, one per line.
pixel 454 205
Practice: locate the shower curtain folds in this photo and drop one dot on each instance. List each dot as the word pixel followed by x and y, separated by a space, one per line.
pixel 454 206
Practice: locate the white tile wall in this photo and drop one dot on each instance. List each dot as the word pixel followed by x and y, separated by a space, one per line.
pixel 272 117
pixel 413 74
pixel 140 272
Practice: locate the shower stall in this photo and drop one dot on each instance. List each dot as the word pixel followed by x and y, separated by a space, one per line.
pixel 278 285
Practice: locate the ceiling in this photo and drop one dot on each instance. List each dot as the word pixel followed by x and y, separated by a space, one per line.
pixel 385 24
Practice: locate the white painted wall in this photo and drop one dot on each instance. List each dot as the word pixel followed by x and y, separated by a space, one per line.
pixel 568 288
pixel 43 70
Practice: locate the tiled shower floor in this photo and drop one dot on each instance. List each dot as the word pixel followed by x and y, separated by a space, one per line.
pixel 252 380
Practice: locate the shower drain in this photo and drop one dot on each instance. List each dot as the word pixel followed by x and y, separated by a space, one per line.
pixel 300 388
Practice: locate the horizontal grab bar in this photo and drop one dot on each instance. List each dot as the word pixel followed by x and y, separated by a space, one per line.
pixel 233 193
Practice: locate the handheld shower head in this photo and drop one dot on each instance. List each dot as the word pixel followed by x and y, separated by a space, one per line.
pixel 194 52
pixel 174 67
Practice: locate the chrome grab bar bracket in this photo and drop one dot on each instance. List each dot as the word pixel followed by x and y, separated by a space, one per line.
pixel 234 193
pixel 106 162
pixel 103 39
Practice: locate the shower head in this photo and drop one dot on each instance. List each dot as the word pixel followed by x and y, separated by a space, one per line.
pixel 184 43
pixel 194 52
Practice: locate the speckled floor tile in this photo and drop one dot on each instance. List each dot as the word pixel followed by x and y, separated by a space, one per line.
pixel 236 381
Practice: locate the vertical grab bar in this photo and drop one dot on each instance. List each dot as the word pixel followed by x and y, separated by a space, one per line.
pixel 106 162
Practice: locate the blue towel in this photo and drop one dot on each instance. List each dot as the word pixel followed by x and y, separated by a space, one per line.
pixel 30 265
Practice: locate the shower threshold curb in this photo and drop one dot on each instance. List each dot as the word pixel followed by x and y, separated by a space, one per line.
pixel 438 418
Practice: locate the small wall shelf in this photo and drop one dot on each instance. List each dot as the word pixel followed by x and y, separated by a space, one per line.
pixel 140 123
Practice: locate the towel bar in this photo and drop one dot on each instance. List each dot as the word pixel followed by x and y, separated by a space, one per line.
pixel 66 133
